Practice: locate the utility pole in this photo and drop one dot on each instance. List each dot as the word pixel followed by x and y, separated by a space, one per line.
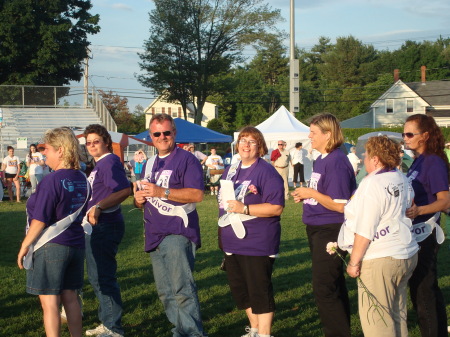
pixel 294 66
pixel 86 79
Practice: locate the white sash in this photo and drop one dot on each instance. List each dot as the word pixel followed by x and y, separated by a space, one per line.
pixel 165 208
pixel 52 232
pixel 235 220
pixel 422 230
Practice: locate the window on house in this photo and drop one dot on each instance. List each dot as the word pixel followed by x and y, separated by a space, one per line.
pixel 389 106
pixel 409 105
pixel 153 111
pixel 163 110
pixel 179 112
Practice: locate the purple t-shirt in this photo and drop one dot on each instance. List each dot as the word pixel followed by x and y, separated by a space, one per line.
pixel 178 170
pixel 58 195
pixel 428 176
pixel 262 236
pixel 332 176
pixel 107 177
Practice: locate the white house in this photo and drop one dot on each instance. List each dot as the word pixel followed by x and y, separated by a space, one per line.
pixel 405 99
pixel 159 105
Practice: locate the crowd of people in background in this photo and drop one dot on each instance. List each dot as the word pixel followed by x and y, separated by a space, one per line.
pixel 388 225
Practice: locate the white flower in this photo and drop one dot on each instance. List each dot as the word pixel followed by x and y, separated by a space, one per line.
pixel 332 247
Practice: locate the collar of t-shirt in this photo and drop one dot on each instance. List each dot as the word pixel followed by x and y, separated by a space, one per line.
pixel 106 154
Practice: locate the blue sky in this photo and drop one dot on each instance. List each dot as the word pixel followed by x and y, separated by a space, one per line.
pixel 384 23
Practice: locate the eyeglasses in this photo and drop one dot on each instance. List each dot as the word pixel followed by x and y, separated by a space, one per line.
pixel 249 142
pixel 95 142
pixel 280 144
pixel 165 133
pixel 410 134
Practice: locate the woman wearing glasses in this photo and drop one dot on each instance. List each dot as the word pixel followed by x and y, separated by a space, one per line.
pixel 330 187
pixel 428 175
pixel 110 187
pixel 249 231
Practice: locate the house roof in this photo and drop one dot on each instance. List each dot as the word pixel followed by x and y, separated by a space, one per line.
pixel 433 92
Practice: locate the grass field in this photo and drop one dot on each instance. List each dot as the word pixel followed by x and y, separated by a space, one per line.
pixel 296 314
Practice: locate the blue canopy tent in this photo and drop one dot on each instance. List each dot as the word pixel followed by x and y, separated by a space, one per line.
pixel 188 132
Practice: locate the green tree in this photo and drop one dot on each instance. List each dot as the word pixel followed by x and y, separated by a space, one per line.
pixel 44 42
pixel 192 41
pixel 349 62
pixel 271 63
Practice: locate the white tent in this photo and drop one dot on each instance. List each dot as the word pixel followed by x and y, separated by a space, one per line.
pixel 282 125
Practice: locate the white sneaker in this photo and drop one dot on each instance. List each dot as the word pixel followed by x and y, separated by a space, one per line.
pixel 212 193
pixel 97 331
pixel 215 192
pixel 250 333
pixel 110 333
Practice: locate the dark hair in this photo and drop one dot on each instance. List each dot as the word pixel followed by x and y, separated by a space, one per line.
pixel 29 153
pixel 9 148
pixel 102 132
pixel 387 151
pixel 329 123
pixel 297 145
pixel 160 118
pixel 257 135
pixel 435 143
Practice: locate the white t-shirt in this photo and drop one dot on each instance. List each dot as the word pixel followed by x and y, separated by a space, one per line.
pixel 35 167
pixel 11 164
pixel 216 161
pixel 298 156
pixel 377 212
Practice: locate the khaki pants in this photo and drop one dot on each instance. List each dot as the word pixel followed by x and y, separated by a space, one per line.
pixel 387 279
pixel 284 174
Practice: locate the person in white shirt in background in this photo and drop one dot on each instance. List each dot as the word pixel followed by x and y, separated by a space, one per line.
pixel 354 160
pixel 35 163
pixel 11 166
pixel 215 166
pixel 298 155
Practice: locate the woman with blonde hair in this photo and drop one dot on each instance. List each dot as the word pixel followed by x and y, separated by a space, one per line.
pixel 53 248
pixel 331 185
pixel 378 235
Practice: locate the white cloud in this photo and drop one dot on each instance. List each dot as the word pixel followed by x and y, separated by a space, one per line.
pixel 122 7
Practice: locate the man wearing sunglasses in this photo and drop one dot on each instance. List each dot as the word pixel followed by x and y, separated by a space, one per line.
pixel 172 184
pixel 280 159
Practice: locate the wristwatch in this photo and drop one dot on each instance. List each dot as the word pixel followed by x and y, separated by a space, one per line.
pixel 98 207
pixel 166 193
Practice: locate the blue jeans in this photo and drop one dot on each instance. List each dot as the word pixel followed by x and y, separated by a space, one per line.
pixel 173 264
pixel 101 250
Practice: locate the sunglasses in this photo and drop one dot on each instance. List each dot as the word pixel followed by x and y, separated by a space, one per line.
pixel 280 144
pixel 165 133
pixel 410 134
pixel 95 142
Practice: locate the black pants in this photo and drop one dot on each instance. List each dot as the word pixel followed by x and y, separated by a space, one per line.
pixel 299 170
pixel 329 288
pixel 426 296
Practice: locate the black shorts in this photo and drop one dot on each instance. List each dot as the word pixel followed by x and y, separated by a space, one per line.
pixel 250 281
pixel 10 175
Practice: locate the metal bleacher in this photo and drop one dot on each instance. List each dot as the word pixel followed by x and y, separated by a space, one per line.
pixel 33 122
pixel 25 118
